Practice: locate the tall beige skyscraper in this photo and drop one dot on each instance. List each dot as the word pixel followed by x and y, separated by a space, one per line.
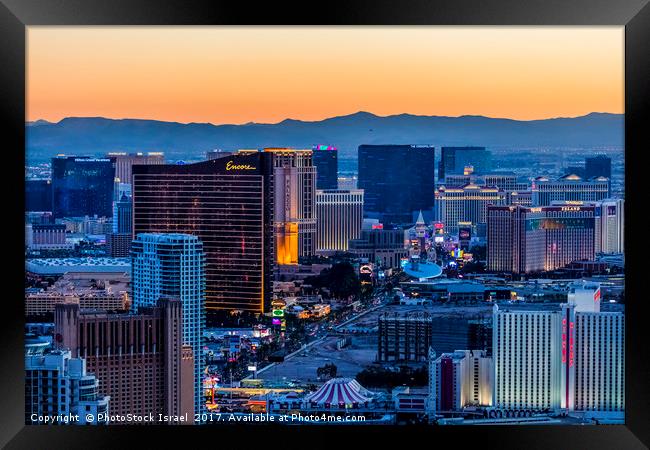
pixel 139 359
pixel 124 163
pixel 294 184
pixel 339 215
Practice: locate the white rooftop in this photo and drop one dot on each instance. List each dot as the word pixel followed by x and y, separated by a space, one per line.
pixel 63 265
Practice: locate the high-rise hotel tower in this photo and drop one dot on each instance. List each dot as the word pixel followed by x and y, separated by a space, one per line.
pixel 294 178
pixel 172 265
pixel 571 357
pixel 82 186
pixel 326 162
pixel 570 187
pixel 522 239
pixel 228 204
pixel 139 359
pixel 124 163
pixel 398 181
pixel 467 203
pixel 463 160
pixel 339 216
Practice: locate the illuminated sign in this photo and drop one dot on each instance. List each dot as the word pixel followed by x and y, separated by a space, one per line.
pixel 252 368
pixel 230 165
pixel 571 344
pixel 563 341
pixel 277 322
pixel 278 313
pixel 365 269
pixel 582 223
pixel 378 226
pixel 287 195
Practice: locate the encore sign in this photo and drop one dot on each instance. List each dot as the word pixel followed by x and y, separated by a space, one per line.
pixel 230 165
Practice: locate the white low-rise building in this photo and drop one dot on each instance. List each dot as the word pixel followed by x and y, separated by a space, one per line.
pixel 459 379
pixel 58 389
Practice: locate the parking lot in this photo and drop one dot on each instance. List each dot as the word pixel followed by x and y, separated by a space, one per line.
pixel 349 361
pixel 362 351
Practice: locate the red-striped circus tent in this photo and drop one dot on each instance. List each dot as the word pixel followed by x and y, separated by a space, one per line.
pixel 340 392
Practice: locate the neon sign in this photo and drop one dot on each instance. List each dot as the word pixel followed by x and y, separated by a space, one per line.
pixel 230 165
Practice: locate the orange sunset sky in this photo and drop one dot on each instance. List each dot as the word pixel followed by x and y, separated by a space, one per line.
pixel 267 74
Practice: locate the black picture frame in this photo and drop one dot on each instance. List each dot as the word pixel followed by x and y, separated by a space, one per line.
pixel 15 15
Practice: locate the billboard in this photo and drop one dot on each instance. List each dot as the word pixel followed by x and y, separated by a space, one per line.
pixel 465 233
pixel 582 223
pixel 464 236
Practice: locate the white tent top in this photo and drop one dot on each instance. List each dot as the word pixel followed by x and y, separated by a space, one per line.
pixel 340 391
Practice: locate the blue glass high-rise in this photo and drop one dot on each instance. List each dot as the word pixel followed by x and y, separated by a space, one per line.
pixel 598 166
pixel 173 265
pixel 325 158
pixel 455 161
pixel 82 186
pixel 38 195
pixel 398 181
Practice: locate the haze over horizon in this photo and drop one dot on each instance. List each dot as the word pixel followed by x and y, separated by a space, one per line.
pixel 95 136
pixel 320 120
pixel 240 75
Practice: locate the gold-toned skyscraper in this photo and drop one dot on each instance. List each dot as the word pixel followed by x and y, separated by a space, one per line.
pixel 294 226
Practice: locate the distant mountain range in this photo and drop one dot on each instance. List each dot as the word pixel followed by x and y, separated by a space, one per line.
pixel 98 135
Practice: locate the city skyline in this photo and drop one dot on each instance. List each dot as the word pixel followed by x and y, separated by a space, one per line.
pixel 238 75
pixel 389 270
pixel 508 308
